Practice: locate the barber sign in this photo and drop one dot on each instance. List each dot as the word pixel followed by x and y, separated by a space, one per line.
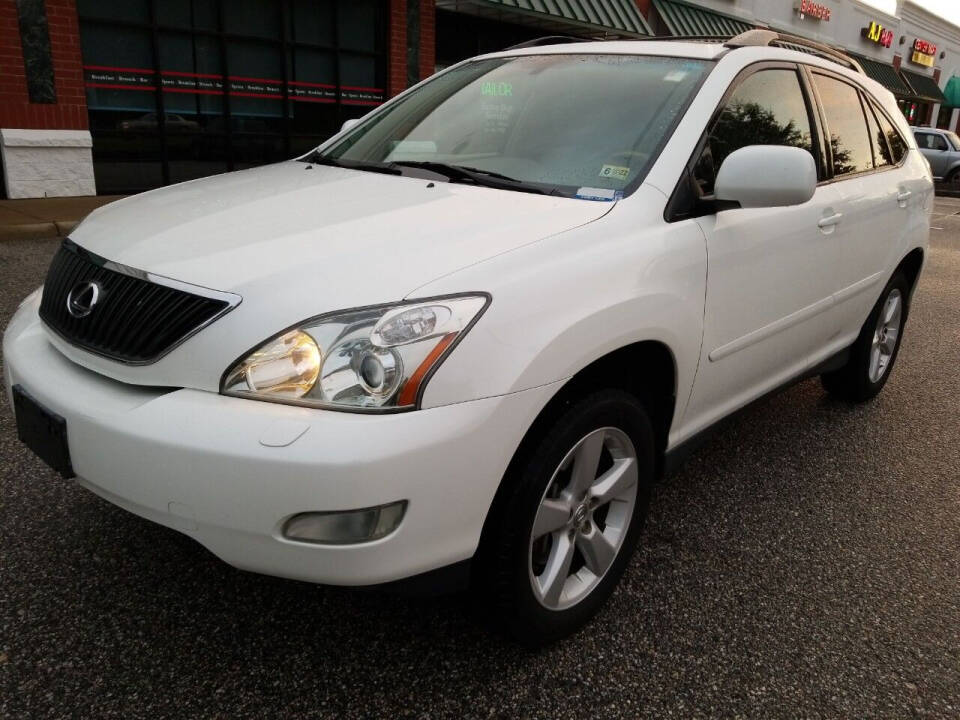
pixel 810 9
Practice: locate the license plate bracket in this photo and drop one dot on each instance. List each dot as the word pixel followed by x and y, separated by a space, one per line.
pixel 43 431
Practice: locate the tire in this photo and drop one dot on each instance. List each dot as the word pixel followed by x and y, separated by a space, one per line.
pixel 953 177
pixel 875 350
pixel 610 430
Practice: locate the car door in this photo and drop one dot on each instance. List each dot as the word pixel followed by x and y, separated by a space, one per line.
pixel 770 270
pixel 935 149
pixel 875 200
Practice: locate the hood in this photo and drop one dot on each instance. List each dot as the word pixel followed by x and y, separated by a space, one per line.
pixel 295 240
pixel 362 237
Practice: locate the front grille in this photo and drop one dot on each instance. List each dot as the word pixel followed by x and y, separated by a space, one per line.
pixel 137 318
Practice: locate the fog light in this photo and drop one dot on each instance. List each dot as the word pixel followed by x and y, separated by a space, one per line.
pixel 347 527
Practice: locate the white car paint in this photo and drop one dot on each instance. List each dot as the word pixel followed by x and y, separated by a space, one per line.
pixel 744 300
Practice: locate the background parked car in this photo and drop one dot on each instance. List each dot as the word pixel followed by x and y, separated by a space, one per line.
pixel 942 149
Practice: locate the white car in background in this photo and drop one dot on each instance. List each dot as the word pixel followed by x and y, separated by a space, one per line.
pixel 463 337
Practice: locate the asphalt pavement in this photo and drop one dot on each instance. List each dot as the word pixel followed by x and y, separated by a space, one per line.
pixel 806 563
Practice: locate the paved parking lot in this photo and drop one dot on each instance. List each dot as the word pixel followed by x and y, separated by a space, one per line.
pixel 805 564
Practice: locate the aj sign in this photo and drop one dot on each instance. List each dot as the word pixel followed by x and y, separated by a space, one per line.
pixel 875 32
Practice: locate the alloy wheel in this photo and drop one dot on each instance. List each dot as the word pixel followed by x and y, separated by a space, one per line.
pixel 885 336
pixel 583 518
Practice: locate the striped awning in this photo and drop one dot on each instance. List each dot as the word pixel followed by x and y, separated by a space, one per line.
pixel 923 86
pixel 952 92
pixel 884 74
pixel 604 18
pixel 683 20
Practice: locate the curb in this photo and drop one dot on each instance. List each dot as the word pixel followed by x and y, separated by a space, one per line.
pixel 37 231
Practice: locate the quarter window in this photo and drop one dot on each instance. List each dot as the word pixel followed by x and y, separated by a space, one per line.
pixel 849 137
pixel 767 108
pixel 898 147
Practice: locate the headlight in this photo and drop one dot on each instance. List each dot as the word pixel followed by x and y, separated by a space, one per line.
pixel 369 359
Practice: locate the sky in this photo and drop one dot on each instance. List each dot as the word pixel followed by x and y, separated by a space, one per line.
pixel 947 9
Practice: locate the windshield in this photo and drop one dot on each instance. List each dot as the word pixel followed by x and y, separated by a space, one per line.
pixel 953 139
pixel 586 126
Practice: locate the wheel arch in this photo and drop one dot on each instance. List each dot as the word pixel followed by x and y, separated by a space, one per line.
pixel 646 369
pixel 910 266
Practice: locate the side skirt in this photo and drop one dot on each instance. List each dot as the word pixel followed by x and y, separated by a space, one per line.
pixel 676 457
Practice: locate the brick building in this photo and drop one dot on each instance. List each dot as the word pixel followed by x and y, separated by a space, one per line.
pixel 118 97
pixel 100 96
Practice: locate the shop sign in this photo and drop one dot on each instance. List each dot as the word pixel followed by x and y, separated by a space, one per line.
pixel 114 78
pixel 923 53
pixel 875 32
pixel 808 8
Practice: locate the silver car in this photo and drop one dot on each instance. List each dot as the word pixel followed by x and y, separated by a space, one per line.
pixel 942 149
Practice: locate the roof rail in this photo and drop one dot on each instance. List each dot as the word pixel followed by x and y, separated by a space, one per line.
pixel 761 38
pixel 548 40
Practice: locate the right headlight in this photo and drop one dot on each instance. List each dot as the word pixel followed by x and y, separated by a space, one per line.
pixel 371 359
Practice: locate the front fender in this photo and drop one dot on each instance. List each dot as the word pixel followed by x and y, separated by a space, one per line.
pixel 563 302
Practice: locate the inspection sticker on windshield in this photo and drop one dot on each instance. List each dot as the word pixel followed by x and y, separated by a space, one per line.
pixel 675 76
pixel 615 171
pixel 589 193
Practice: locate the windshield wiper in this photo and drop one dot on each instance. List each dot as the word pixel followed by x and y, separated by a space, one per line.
pixel 459 173
pixel 317 159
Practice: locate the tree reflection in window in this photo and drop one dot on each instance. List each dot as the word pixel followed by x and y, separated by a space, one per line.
pixel 767 108
pixel 849 137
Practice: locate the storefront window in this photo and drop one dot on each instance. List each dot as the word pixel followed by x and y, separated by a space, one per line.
pixel 172 97
pixel 914 112
pixel 943 117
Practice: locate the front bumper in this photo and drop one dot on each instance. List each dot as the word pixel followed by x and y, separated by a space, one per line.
pixel 229 471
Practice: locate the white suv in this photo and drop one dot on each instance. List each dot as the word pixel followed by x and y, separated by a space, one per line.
pixel 461 339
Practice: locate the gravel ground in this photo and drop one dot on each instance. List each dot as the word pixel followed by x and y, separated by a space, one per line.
pixel 804 564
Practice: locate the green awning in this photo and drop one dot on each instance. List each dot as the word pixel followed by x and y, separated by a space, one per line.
pixel 884 74
pixel 683 20
pixel 923 86
pixel 952 92
pixel 621 18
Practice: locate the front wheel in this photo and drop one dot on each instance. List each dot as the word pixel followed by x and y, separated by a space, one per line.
pixel 875 351
pixel 561 535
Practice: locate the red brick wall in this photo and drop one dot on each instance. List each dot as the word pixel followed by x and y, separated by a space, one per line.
pixel 428 38
pixel 16 110
pixel 397 58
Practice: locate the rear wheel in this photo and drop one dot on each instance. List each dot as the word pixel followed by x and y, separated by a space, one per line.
pixel 875 350
pixel 561 535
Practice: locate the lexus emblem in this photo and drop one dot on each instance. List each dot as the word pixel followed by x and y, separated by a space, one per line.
pixel 83 298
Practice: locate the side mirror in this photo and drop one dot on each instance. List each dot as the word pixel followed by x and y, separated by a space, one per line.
pixel 759 176
pixel 347 124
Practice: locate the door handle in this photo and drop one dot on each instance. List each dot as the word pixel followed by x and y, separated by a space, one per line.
pixel 903 197
pixel 830 220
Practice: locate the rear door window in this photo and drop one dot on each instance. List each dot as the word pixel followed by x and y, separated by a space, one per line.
pixel 881 151
pixel 846 126
pixel 767 108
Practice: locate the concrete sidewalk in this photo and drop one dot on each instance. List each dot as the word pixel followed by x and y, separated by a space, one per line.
pixel 39 218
